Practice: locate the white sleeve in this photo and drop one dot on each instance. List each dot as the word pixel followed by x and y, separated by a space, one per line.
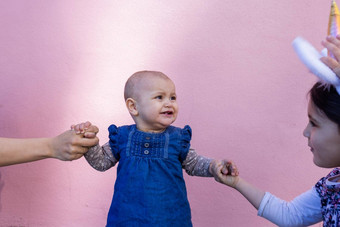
pixel 304 210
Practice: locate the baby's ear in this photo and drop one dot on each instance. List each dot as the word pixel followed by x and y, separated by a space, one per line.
pixel 132 107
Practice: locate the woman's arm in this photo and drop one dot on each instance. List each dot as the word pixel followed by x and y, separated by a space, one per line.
pixel 66 146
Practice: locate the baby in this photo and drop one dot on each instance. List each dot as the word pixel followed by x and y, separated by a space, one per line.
pixel 150 188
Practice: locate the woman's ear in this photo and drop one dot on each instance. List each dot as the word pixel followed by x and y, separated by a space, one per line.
pixel 132 106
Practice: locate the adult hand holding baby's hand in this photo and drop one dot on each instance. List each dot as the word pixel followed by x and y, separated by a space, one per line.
pixel 70 145
pixel 86 128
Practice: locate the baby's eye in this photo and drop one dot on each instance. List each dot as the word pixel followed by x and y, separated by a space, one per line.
pixel 158 97
pixel 173 98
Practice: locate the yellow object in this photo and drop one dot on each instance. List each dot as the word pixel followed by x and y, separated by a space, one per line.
pixel 334 20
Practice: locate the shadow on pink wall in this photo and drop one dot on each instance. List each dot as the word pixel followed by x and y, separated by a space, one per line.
pixel 39 66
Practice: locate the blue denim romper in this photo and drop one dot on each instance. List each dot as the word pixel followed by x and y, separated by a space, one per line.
pixel 149 189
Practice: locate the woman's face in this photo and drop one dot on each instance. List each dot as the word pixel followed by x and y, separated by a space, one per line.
pixel 323 138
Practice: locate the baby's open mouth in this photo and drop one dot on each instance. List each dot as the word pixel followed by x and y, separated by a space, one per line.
pixel 167 112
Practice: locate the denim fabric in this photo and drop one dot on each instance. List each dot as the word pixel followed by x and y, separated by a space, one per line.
pixel 149 189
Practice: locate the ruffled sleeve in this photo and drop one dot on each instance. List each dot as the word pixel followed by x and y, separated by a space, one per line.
pixel 113 136
pixel 185 142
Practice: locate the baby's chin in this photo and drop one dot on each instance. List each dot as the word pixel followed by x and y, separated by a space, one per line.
pixel 170 123
pixel 164 125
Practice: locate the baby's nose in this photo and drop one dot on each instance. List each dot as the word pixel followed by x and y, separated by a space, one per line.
pixel 167 102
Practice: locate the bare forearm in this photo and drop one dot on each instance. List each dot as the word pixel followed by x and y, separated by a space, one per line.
pixel 250 192
pixel 66 146
pixel 15 151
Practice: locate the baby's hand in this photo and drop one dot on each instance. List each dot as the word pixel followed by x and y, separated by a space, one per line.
pixel 224 171
pixel 86 129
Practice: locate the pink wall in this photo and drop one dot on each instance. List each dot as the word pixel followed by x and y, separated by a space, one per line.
pixel 240 87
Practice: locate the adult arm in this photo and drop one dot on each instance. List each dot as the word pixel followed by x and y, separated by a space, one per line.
pixel 66 146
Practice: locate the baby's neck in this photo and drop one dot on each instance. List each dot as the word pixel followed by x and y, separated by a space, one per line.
pixel 151 130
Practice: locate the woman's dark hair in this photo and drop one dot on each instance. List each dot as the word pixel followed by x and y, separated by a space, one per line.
pixel 327 99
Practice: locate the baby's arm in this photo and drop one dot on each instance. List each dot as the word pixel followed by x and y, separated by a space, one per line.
pixel 197 165
pixel 101 158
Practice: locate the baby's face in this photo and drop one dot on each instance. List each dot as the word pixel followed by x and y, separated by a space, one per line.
pixel 156 104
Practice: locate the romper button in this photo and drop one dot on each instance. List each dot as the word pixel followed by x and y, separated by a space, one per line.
pixel 146 145
pixel 146 152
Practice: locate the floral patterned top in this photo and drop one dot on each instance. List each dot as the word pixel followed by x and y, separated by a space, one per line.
pixel 330 198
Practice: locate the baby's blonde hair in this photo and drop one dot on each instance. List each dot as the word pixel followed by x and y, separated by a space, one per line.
pixel 133 81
